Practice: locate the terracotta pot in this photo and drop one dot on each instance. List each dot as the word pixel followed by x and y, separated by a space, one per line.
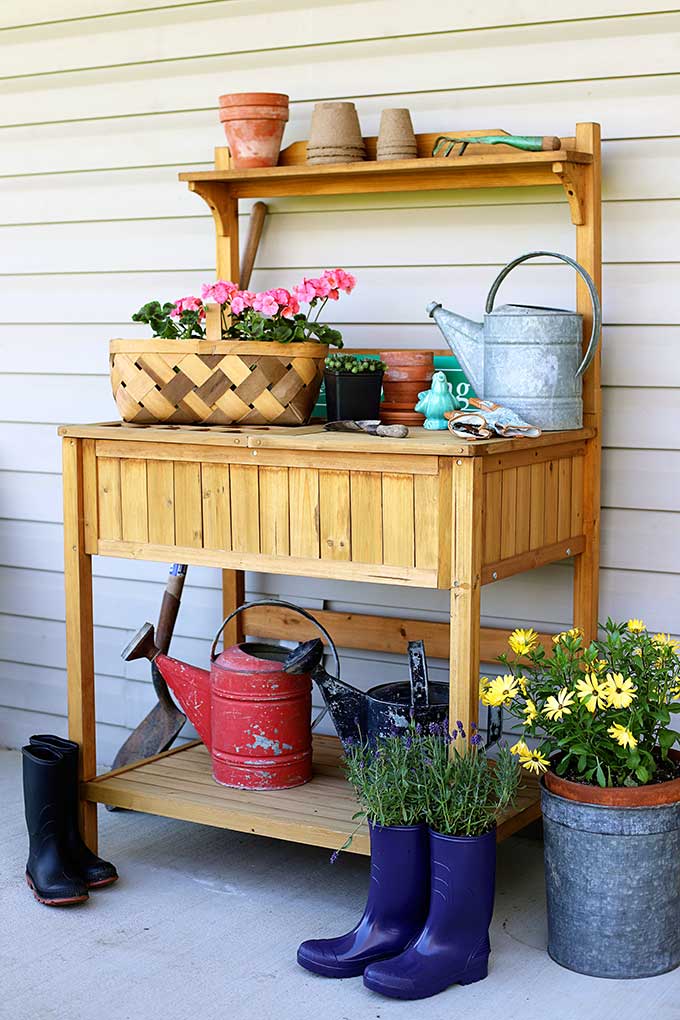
pixel 254 99
pixel 404 392
pixel 388 417
pixel 616 796
pixel 254 127
pixel 408 358
pixel 409 374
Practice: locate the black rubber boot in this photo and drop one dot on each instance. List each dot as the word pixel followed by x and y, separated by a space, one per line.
pixel 95 871
pixel 50 872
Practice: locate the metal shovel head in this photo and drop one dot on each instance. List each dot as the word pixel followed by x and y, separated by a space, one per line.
pixel 155 734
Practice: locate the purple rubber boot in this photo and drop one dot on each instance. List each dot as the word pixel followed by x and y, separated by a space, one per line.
pixel 453 947
pixel 396 908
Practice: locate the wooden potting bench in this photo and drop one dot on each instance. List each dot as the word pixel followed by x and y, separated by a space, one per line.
pixel 430 511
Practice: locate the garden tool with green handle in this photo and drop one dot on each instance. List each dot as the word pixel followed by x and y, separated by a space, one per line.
pixel 446 144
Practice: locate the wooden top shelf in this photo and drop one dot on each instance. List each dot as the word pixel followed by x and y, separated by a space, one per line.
pixel 496 169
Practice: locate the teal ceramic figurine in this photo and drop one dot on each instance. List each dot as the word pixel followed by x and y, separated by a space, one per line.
pixel 434 403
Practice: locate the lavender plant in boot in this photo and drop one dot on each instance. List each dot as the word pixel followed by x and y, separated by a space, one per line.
pixel 463 796
pixel 385 776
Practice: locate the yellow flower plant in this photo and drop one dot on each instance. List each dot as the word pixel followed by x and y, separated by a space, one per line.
pixel 523 641
pixel 597 712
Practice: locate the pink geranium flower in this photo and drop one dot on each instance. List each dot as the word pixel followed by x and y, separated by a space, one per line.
pixel 242 300
pixel 305 291
pixel 220 292
pixel 266 303
pixel 188 304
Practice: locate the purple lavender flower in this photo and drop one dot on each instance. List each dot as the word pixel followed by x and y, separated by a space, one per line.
pixel 476 740
pixel 452 736
pixel 459 725
pixel 419 729
pixel 334 856
pixel 408 742
pixel 433 729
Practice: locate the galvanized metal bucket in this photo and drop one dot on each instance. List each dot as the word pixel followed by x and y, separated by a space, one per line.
pixel 613 887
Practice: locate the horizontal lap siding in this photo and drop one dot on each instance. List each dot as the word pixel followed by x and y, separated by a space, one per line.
pixel 93 223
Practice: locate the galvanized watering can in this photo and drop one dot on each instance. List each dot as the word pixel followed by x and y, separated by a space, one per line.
pixel 385 710
pixel 526 357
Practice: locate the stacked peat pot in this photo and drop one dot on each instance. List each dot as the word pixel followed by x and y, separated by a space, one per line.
pixel 253 123
pixel 408 373
pixel 397 139
pixel 335 135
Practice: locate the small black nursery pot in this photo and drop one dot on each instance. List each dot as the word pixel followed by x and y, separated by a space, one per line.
pixel 353 388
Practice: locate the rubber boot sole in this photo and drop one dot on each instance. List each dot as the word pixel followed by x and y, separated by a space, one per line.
pixel 104 882
pixel 66 902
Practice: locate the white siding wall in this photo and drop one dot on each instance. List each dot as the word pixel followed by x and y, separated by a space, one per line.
pixel 103 100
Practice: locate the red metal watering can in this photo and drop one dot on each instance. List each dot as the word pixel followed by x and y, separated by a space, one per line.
pixel 252 709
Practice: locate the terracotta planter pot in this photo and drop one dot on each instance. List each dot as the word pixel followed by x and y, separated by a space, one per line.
pixel 388 417
pixel 253 124
pixel 254 99
pixel 409 374
pixel 616 796
pixel 407 358
pixel 403 392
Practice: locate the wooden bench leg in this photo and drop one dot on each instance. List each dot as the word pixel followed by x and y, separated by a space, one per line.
pixel 466 568
pixel 79 640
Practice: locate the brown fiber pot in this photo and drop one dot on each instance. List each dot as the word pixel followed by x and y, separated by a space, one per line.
pixel 616 796
pixel 254 123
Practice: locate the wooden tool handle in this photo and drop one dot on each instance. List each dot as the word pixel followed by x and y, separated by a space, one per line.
pixel 551 143
pixel 170 606
pixel 257 217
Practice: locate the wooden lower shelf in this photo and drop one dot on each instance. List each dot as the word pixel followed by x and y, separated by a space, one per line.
pixel 179 784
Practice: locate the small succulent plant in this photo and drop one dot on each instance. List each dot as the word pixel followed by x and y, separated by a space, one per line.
pixel 353 364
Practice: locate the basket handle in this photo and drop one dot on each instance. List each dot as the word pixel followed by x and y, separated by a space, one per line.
pixel 592 290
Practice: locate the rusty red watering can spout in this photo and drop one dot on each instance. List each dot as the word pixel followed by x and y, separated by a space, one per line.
pixel 252 709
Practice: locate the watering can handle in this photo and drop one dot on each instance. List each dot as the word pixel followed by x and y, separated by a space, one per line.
pixel 285 605
pixel 592 289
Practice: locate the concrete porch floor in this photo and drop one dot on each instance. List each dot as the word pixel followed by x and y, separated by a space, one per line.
pixel 205 923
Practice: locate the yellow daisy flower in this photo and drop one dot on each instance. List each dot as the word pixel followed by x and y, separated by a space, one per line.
pixel 522 681
pixel 620 693
pixel 600 665
pixel 592 692
pixel 666 641
pixel 484 690
pixel 530 712
pixel 622 735
pixel 574 632
pixel 520 749
pixel 501 690
pixel 523 641
pixel 636 626
pixel 556 707
pixel 535 762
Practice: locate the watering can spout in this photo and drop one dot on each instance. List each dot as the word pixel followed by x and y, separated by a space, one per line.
pixel 466 339
pixel 189 684
pixel 346 705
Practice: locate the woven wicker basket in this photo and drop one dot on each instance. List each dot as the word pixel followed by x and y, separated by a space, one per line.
pixel 222 382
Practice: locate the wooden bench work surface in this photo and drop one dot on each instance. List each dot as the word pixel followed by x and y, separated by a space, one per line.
pixel 427 511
